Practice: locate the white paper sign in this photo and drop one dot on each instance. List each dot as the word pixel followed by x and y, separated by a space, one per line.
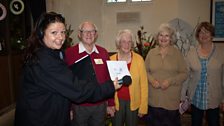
pixel 117 69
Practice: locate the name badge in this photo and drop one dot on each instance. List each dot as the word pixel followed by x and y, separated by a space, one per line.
pixel 98 61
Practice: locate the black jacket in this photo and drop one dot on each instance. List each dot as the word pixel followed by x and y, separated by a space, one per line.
pixel 48 87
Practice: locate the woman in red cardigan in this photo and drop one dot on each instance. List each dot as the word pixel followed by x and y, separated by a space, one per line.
pixel 131 101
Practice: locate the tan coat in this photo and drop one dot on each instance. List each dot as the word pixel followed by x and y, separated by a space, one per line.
pixel 172 68
pixel 215 76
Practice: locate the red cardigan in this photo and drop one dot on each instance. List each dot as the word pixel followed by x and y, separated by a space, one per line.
pixel 101 72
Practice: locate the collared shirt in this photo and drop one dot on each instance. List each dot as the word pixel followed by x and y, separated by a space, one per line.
pixel 83 49
pixel 98 62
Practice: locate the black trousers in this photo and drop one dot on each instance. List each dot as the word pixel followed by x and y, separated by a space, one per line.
pixel 212 116
pixel 89 115
pixel 163 117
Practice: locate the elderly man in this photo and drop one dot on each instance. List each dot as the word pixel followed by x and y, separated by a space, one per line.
pixel 89 60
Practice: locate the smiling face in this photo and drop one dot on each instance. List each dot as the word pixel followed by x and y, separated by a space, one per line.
pixel 125 43
pixel 88 33
pixel 204 36
pixel 164 39
pixel 205 32
pixel 54 35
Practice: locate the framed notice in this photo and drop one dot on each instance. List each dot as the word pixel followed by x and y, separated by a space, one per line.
pixel 217 19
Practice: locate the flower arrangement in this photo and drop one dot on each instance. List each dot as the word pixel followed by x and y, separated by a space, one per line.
pixel 144 43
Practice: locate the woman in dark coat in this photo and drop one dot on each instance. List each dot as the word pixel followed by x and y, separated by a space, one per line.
pixel 48 85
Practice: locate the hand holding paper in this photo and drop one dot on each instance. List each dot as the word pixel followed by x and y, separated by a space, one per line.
pixel 117 69
pixel 120 70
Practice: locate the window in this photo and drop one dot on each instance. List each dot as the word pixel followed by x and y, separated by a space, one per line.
pixel 119 1
pixel 140 0
pixel 115 1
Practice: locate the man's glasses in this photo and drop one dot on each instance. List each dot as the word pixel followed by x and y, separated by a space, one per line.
pixel 92 32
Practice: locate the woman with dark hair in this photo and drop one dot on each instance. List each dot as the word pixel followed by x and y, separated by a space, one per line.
pixel 205 82
pixel 48 85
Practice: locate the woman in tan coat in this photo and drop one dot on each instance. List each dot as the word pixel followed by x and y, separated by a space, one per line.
pixel 166 70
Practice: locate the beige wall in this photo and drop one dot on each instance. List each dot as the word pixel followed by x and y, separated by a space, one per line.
pixel 151 15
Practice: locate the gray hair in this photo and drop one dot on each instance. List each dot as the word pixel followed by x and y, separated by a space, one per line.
pixel 120 34
pixel 87 22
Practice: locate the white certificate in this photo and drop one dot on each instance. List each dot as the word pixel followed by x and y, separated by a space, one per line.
pixel 117 69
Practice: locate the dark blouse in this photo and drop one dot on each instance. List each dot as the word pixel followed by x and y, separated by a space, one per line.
pixel 47 89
